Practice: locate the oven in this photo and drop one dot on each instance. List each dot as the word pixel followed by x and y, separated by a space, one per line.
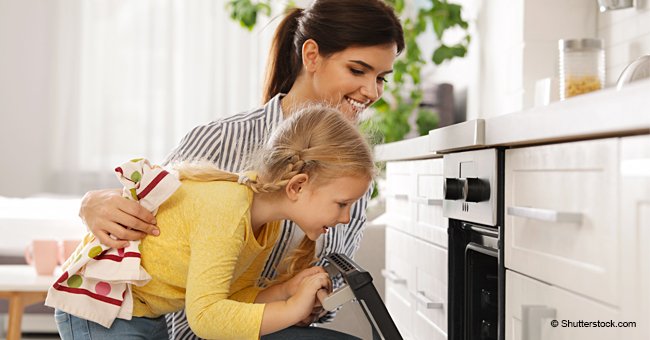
pixel 473 198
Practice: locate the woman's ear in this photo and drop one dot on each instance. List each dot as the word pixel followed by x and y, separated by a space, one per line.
pixel 295 186
pixel 310 55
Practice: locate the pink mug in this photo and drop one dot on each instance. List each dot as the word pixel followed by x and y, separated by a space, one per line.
pixel 42 254
pixel 66 248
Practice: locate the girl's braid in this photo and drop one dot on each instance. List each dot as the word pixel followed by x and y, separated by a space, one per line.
pixel 294 166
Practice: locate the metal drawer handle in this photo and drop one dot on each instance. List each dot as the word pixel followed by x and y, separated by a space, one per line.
pixel 545 215
pixel 531 319
pixel 392 277
pixel 428 304
pixel 427 201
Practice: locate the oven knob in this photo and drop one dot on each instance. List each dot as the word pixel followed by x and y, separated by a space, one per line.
pixel 453 188
pixel 476 190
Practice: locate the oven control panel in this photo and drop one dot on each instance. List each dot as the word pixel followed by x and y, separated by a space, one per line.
pixel 470 186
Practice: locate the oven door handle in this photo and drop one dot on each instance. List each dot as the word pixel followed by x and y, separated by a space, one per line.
pixel 545 215
pixel 531 320
pixel 482 249
pixel 481 230
pixel 392 277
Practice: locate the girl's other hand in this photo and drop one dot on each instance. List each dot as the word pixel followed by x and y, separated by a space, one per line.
pixel 305 298
pixel 107 213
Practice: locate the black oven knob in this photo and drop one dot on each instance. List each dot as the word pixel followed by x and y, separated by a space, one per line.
pixel 453 188
pixel 476 190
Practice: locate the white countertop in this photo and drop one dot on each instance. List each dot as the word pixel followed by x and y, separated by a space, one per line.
pixel 414 148
pixel 605 113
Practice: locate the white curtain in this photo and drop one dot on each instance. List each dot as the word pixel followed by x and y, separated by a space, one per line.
pixel 134 76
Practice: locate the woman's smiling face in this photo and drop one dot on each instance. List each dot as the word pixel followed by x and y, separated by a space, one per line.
pixel 353 79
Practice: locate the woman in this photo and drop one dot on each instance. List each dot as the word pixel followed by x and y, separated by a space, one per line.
pixel 219 228
pixel 336 52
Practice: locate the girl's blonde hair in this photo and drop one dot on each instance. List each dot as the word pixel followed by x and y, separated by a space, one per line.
pixel 318 141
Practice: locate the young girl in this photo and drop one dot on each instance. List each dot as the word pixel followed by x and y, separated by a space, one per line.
pixel 334 51
pixel 218 229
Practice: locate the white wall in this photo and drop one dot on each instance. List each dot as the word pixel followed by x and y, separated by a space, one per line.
pixel 26 50
pixel 627 36
pixel 515 44
pixel 37 92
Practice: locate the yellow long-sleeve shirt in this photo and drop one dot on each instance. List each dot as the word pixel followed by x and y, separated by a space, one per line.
pixel 208 260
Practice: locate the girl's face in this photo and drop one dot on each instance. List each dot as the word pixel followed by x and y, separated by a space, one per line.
pixel 319 207
pixel 354 78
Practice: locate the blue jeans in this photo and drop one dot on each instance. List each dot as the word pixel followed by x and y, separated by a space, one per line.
pixel 73 328
pixel 308 333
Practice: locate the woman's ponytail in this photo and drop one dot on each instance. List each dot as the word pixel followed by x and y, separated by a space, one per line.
pixel 284 60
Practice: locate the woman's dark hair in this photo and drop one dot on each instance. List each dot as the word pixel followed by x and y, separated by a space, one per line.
pixel 335 25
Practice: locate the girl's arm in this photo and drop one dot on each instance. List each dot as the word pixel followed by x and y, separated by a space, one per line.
pixel 284 290
pixel 282 314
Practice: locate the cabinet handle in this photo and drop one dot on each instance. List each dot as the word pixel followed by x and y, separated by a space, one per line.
pixel 427 201
pixel 545 215
pixel 532 316
pixel 401 197
pixel 428 304
pixel 392 277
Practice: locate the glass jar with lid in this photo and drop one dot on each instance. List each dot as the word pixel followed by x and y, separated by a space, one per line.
pixel 582 66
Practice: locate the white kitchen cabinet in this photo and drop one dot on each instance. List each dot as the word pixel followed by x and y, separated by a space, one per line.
pixel 416 249
pixel 400 279
pixel 428 222
pixel 561 216
pixel 532 305
pixel 577 229
pixel 635 217
pixel 430 293
pixel 399 187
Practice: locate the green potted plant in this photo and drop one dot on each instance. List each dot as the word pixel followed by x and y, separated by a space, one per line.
pixel 392 112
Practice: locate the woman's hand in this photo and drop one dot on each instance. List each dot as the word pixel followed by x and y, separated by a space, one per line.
pixel 304 300
pixel 109 216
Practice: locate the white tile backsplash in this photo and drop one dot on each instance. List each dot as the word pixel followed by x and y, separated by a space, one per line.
pixel 617 53
pixel 643 20
pixel 570 19
pixel 609 18
pixel 626 34
pixel 623 31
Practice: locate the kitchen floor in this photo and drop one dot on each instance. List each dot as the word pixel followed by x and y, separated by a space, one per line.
pixel 37 336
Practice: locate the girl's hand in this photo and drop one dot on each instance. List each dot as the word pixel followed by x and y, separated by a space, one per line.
pixel 316 313
pixel 107 213
pixel 290 287
pixel 305 298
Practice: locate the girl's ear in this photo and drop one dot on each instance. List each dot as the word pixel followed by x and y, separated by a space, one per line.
pixel 310 55
pixel 295 186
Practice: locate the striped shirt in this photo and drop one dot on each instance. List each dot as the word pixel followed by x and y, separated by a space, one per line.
pixel 229 143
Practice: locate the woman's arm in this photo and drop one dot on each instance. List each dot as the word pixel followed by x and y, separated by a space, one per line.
pixel 106 212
